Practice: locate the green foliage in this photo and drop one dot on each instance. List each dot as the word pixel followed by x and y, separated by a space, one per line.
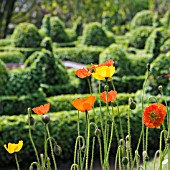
pixel 144 17
pixel 166 19
pixel 63 128
pixel 13 105
pixel 94 34
pixel 54 28
pixel 166 46
pixel 139 36
pixel 26 35
pixel 3 76
pixel 12 57
pixel 156 40
pixel 82 54
pixel 159 66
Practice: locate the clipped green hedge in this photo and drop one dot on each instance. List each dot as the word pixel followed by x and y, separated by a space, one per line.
pixel 124 84
pixel 5 42
pixel 156 40
pixel 14 105
pixel 3 76
pixel 63 102
pixel 144 17
pixel 12 57
pixel 26 35
pixel 82 54
pixel 63 128
pixel 95 35
pixel 139 36
pixel 25 51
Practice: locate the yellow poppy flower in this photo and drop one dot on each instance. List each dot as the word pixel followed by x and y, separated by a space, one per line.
pixel 12 147
pixel 103 72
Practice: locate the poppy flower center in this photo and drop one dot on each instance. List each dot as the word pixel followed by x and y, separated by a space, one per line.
pixel 153 116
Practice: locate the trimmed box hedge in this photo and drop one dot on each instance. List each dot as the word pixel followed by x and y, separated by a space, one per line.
pixel 13 105
pixel 12 57
pixel 82 54
pixel 63 128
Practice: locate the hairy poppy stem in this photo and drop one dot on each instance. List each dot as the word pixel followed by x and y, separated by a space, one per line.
pixel 18 168
pixel 30 136
pixel 52 151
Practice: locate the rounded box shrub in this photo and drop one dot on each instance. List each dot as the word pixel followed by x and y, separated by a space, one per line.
pixel 94 34
pixel 139 36
pixel 156 40
pixel 119 57
pixel 54 28
pixel 26 35
pixel 159 66
pixel 3 76
pixel 144 17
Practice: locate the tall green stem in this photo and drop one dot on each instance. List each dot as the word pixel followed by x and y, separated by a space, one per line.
pixel 16 159
pixel 87 139
pixel 30 136
pixel 51 146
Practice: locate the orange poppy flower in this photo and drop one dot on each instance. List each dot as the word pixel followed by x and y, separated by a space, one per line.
pixel 83 73
pixel 154 115
pixel 84 104
pixel 107 63
pixel 111 96
pixel 42 109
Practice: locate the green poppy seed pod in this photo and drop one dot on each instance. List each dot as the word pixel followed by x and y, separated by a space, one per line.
pixel 106 88
pixel 147 158
pixel 31 120
pixel 57 150
pixel 125 160
pixel 97 132
pixel 160 88
pixel 46 118
pixel 132 104
pixel 148 67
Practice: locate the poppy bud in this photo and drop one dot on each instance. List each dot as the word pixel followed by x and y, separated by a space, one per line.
pixel 97 132
pixel 145 156
pixel 125 160
pixel 106 88
pixel 31 120
pixel 57 150
pixel 132 104
pixel 148 67
pixel 46 118
pixel 160 88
